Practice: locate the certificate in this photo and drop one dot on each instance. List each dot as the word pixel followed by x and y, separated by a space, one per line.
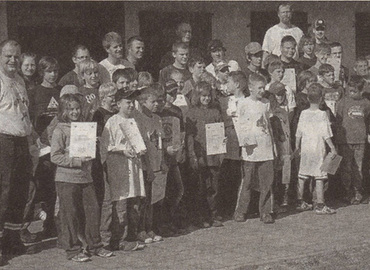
pixel 83 139
pixel 171 128
pixel 215 139
pixel 133 135
pixel 289 79
pixel 336 63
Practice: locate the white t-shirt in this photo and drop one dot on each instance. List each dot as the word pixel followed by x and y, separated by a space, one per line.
pixel 110 67
pixel 234 66
pixel 274 35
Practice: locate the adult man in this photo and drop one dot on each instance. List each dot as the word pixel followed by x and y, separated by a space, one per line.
pixel 319 32
pixel 15 159
pixel 273 36
pixel 135 52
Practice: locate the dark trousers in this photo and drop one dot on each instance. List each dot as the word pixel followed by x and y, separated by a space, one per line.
pixel 259 176
pixel 15 176
pixel 146 209
pixel 78 207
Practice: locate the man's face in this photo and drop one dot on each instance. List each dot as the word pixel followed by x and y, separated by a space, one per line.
pixel 181 56
pixel 257 89
pixel 337 52
pixel 288 49
pixel 319 34
pixel 285 14
pixel 218 55
pixel 184 32
pixel 137 49
pixel 362 68
pixel 322 57
pixel 115 50
pixel 9 59
pixel 80 56
pixel 328 77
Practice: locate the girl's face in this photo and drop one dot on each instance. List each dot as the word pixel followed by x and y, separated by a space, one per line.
pixel 205 99
pixel 308 48
pixel 51 76
pixel 74 111
pixel 28 67
pixel 126 106
pixel 91 77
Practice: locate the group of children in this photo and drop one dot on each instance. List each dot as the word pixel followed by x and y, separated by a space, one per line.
pixel 151 175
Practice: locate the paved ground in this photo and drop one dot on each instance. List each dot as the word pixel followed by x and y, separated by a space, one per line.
pixel 296 241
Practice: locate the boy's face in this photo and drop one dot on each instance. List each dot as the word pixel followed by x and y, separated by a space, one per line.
pixel 308 48
pixel 232 86
pixel 179 79
pixel 337 52
pixel 198 69
pixel 126 106
pixel 319 34
pixel 109 102
pixel 115 50
pixel 218 56
pixel 136 49
pixel 354 92
pixel 280 98
pixel 205 99
pixel 322 57
pixel 80 56
pixel 151 103
pixel 124 84
pixel 91 77
pixel 28 67
pixel 161 103
pixel 223 75
pixel 51 75
pixel 328 77
pixel 257 89
pixel 181 56
pixel 256 59
pixel 362 68
pixel 288 49
pixel 277 75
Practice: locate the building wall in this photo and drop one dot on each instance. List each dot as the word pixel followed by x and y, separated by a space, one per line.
pixel 3 21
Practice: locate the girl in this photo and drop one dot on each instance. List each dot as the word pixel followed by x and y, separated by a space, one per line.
pixel 305 48
pixel 75 188
pixel 206 167
pixel 27 70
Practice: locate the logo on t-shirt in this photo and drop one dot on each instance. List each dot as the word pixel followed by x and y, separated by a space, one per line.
pixel 356 112
pixel 53 104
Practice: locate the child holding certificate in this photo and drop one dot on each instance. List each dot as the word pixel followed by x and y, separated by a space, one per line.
pixel 75 188
pixel 207 168
pixel 124 171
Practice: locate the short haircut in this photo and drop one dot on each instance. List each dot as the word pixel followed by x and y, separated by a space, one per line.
pixel 269 59
pixel 179 45
pixel 314 93
pixel 356 81
pixel 47 63
pixel 254 78
pixel 275 65
pixel 240 78
pixel 335 44
pixel 87 65
pixel 361 59
pixel 195 60
pixel 129 74
pixel 147 92
pixel 305 39
pixel 144 79
pixel 201 88
pixel 10 42
pixel 303 78
pixel 288 39
pixel 132 39
pixel 325 68
pixel 107 89
pixel 64 104
pixel 322 48
pixel 284 4
pixel 26 55
pixel 109 38
pixel 77 48
pixel 209 78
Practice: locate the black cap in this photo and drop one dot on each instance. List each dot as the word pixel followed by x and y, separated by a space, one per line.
pixel 215 45
pixel 122 94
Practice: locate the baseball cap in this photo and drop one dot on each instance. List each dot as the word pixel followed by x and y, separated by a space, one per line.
pixel 253 48
pixel 320 24
pixel 122 94
pixel 221 65
pixel 69 89
pixel 171 86
pixel 277 88
pixel 215 44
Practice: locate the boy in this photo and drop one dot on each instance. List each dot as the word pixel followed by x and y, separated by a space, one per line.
pixel 353 118
pixel 322 52
pixel 222 70
pixel 112 43
pixel 257 152
pixel 332 92
pixel 180 52
pixel 288 50
pixel 125 79
pixel 253 56
pixel 312 136
pixel 336 51
pixel 88 70
pixel 196 67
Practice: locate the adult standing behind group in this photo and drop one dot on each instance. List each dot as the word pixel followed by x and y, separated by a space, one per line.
pixel 272 40
pixel 135 52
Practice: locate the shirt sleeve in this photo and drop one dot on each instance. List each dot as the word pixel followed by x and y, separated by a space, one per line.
pixel 327 132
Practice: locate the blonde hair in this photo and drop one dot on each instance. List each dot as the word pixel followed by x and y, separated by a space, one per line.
pixel 86 65
pixel 107 89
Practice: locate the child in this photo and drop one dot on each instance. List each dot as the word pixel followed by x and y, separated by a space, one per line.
pixel 313 133
pixel 89 71
pixel 288 50
pixel 124 173
pixel 27 63
pixel 306 51
pixel 352 133
pixel 206 167
pixel 257 152
pixel 44 97
pixel 253 55
pixel 322 52
pixel 144 79
pixel 180 52
pixel 222 72
pixel 336 51
pixel 75 188
pixel 332 91
pixel 196 67
pixel 125 79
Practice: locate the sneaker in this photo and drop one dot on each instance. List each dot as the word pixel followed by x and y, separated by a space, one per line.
pixel 303 206
pixel 267 219
pixel 238 217
pixel 144 238
pixel 80 257
pixel 156 238
pixel 104 253
pixel 206 225
pixel 130 246
pixel 217 223
pixel 27 237
pixel 324 210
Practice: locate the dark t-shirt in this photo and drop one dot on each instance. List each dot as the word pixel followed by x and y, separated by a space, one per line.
pixel 90 102
pixel 71 78
pixel 307 61
pixel 164 74
pixel 101 117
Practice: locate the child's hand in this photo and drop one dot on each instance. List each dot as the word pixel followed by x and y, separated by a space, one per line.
pixel 129 153
pixel 172 150
pixel 150 176
pixel 333 151
pixel 141 153
pixel 86 159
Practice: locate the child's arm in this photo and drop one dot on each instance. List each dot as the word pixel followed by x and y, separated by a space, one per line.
pixel 298 143
pixel 193 160
pixel 331 145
